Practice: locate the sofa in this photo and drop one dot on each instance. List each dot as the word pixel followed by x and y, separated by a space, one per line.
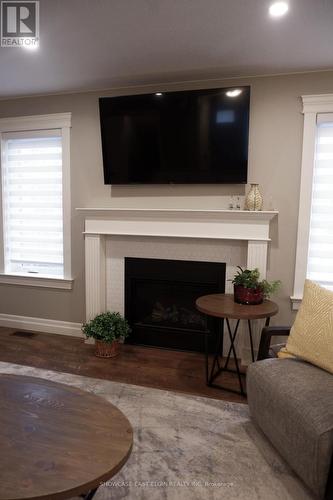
pixel 291 401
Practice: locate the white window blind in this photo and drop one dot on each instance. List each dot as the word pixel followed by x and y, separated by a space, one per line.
pixel 32 202
pixel 320 257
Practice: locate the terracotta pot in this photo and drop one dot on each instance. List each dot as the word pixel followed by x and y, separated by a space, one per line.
pixel 249 296
pixel 107 350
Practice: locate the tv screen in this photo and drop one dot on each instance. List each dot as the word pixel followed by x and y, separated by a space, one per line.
pixel 192 137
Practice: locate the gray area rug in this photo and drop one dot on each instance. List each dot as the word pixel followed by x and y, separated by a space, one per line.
pixel 186 447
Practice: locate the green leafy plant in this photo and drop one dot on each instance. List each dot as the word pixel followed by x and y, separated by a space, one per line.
pixel 250 278
pixel 107 327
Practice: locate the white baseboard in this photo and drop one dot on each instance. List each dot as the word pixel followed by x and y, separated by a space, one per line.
pixel 247 356
pixel 41 325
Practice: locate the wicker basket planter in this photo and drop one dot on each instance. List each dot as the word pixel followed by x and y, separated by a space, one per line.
pixel 108 329
pixel 107 349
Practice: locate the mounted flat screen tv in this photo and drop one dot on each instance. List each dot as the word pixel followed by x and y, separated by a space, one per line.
pixel 193 137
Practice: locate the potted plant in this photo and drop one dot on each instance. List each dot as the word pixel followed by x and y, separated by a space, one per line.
pixel 107 329
pixel 248 289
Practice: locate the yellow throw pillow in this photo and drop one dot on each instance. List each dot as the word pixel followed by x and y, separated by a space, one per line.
pixel 284 353
pixel 311 337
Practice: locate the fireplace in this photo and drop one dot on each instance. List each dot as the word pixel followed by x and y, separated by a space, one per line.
pixel 160 301
pixel 240 236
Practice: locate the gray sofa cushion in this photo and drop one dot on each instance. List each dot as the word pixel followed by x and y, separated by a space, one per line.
pixel 292 402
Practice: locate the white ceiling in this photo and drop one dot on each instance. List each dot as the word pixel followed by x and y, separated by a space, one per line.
pixel 96 44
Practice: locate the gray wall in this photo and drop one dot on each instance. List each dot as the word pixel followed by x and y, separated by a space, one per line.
pixel 276 125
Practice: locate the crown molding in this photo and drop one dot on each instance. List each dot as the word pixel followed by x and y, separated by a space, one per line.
pixel 317 103
pixel 35 122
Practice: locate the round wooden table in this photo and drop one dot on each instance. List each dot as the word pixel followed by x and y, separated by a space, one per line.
pixel 223 306
pixel 57 441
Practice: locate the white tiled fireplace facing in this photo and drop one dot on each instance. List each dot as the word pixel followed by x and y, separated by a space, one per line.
pixel 230 236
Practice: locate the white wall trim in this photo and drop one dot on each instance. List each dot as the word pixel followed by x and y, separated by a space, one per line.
pixel 318 103
pixel 66 201
pixel 35 122
pixel 95 271
pixel 295 303
pixel 36 281
pixel 24 124
pixel 313 105
pixel 181 223
pixel 41 325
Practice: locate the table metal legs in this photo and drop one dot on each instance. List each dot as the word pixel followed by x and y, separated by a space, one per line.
pixel 90 495
pixel 217 366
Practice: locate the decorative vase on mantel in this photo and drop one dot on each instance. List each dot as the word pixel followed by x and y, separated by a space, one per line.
pixel 254 200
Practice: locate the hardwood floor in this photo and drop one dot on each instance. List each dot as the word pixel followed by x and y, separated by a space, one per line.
pixel 157 368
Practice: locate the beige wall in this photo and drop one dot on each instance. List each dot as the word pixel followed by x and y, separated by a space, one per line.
pixel 274 161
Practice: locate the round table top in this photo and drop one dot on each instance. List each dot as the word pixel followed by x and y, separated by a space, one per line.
pixel 223 306
pixel 57 441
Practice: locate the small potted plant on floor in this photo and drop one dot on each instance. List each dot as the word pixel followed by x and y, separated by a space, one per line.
pixel 248 289
pixel 107 329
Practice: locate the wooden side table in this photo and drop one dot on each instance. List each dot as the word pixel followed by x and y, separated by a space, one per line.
pixel 223 306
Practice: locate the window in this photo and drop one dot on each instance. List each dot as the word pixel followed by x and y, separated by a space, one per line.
pixel 35 200
pixel 32 203
pixel 314 254
pixel 320 254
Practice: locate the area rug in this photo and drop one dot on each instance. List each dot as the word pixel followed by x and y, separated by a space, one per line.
pixel 186 447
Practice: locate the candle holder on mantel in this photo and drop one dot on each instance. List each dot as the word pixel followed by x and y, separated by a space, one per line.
pixel 253 199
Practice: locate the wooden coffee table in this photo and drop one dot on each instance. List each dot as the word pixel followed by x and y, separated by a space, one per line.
pixel 57 441
pixel 223 306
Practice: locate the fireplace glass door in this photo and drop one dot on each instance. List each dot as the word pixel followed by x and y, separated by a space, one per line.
pixel 160 300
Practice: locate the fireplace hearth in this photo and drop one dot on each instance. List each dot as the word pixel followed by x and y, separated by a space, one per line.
pixel 160 302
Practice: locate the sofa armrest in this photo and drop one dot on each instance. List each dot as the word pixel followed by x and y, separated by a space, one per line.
pixel 266 336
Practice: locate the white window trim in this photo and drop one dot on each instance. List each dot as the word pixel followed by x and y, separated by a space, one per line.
pixel 58 121
pixel 312 106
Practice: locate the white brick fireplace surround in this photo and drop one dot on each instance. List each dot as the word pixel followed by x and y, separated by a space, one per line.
pixel 235 237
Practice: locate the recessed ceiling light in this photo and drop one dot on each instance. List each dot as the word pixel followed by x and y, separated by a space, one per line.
pixel 234 92
pixel 278 9
pixel 158 94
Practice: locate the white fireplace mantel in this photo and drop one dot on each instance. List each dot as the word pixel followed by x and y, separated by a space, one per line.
pixel 100 223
